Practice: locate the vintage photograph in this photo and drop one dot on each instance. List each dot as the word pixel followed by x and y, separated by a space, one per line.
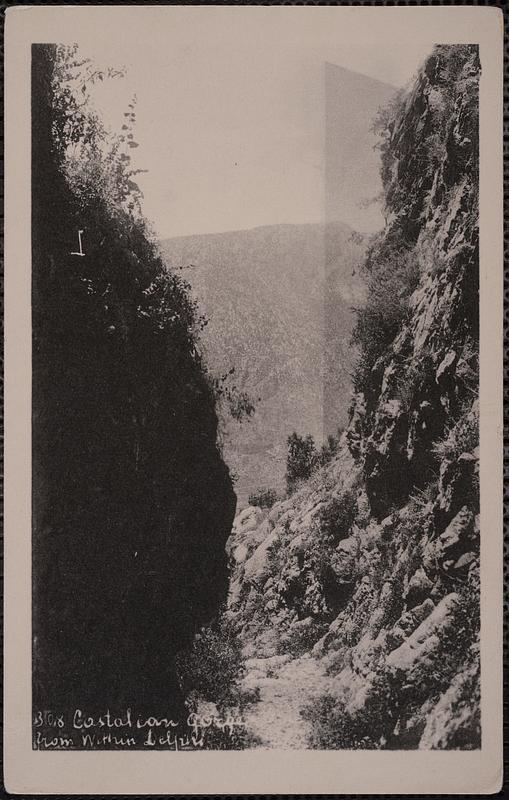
pixel 253 400
pixel 255 366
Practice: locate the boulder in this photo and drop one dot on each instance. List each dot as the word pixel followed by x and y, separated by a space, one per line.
pixel 411 619
pixel 420 647
pixel 240 553
pixel 456 537
pixel 248 520
pixel 465 561
pixel 257 567
pixel 418 589
pixel 446 366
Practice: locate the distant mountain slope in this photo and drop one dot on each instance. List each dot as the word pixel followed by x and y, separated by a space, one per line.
pixel 276 296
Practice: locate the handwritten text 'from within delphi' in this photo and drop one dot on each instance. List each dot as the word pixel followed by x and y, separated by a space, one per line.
pixel 125 730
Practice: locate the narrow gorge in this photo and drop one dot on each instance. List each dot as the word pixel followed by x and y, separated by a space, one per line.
pixel 256 453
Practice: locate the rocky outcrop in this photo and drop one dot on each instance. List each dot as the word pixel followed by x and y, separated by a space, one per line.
pixel 388 598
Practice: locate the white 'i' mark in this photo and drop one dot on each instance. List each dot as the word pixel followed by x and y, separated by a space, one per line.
pixel 81 253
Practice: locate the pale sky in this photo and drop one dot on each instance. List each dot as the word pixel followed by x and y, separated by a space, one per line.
pixel 230 116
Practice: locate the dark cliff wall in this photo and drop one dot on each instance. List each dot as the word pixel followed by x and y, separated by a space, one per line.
pixel 132 503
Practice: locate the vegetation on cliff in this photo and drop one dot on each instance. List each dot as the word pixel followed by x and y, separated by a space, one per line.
pixel 132 503
pixel 372 564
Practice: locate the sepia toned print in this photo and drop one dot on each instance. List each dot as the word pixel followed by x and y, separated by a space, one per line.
pixel 334 602
pixel 263 525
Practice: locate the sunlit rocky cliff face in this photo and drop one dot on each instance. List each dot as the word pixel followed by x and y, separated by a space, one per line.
pixel 372 565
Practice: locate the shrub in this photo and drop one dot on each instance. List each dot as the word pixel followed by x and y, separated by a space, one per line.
pixel 455 641
pixel 263 498
pixel 393 275
pixel 301 459
pixel 368 728
pixel 214 665
pixel 463 437
pixel 414 381
pixel 335 519
pixel 233 402
pixel 300 638
pixel 330 447
pixel 238 739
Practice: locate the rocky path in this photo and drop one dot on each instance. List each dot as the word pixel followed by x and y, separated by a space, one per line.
pixel 286 685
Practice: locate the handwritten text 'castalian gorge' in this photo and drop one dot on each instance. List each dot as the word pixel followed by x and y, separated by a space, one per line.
pixel 82 730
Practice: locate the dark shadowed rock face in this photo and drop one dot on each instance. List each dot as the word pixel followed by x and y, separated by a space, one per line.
pixel 388 598
pixel 132 503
